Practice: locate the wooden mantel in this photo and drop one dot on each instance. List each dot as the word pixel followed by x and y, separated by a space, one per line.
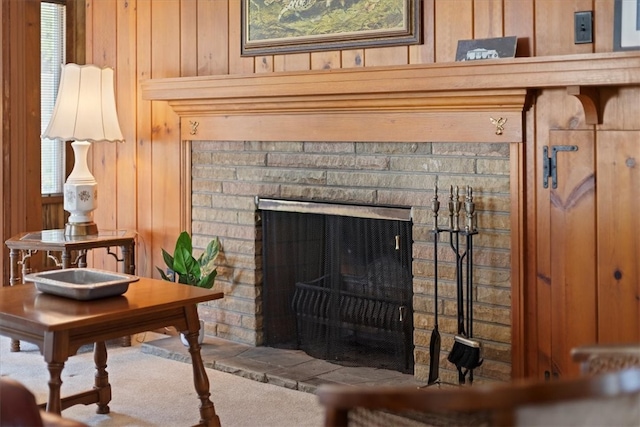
pixel 408 103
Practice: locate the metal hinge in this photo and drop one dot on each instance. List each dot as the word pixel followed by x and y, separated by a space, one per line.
pixel 549 164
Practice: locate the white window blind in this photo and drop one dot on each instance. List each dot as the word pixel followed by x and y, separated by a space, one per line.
pixel 52 56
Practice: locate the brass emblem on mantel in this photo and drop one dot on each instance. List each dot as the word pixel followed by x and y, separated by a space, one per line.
pixel 194 127
pixel 499 124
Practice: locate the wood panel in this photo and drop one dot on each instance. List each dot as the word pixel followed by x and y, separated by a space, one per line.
pixel 618 154
pixel 189 47
pixel 20 138
pixel 453 22
pixel 519 21
pixel 488 19
pixel 212 42
pixel 326 60
pixel 424 53
pixel 292 62
pixel 126 89
pixel 554 27
pixel 395 55
pixel 103 155
pixel 166 154
pixel 572 206
pixel 144 167
pixel 237 63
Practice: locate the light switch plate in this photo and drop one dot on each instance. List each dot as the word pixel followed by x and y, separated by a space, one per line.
pixel 583 27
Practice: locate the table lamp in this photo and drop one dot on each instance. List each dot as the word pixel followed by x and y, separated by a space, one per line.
pixel 85 112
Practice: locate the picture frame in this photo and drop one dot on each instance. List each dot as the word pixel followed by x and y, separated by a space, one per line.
pixel 626 27
pixel 292 26
pixel 491 48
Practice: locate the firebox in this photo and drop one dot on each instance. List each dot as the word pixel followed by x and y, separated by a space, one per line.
pixel 338 282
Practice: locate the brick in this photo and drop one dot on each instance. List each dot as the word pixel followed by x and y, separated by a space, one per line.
pixel 207 172
pixel 329 147
pixel 278 175
pixel 393 148
pixel 197 146
pixel 272 146
pixel 206 186
pixel 493 166
pixel 337 194
pixel 435 164
pixel 312 161
pixel 241 188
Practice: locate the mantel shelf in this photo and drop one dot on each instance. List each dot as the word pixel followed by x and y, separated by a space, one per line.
pixel 492 87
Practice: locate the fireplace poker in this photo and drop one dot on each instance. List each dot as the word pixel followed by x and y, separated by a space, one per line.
pixel 434 345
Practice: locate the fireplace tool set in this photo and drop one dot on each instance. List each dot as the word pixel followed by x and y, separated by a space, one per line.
pixel 465 354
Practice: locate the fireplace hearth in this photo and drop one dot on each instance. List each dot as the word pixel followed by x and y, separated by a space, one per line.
pixel 338 282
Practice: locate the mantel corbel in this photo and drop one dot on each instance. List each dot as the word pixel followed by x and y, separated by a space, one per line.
pixel 589 97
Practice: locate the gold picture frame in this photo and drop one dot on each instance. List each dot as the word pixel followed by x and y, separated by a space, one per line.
pixel 289 26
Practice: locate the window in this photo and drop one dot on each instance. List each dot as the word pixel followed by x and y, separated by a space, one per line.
pixel 52 55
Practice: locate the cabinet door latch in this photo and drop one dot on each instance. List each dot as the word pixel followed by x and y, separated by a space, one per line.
pixel 549 164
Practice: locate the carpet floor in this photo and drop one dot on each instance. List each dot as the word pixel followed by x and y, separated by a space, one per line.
pixel 149 390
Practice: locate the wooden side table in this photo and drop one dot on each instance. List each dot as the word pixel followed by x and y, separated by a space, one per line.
pixel 59 248
pixel 148 304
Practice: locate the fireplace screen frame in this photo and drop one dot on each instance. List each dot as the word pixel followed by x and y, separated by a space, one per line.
pixel 356 313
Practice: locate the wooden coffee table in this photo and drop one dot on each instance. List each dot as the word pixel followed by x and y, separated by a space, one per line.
pixel 60 326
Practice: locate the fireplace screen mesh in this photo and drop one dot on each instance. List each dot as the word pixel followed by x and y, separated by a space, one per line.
pixel 339 288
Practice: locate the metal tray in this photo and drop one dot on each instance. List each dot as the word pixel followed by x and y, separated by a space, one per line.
pixel 81 283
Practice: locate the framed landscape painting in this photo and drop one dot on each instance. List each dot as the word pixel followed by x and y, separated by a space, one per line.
pixel 286 26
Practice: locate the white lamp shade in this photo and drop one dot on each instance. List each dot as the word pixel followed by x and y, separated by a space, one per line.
pixel 85 108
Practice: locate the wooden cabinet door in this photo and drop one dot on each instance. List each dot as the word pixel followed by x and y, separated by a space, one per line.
pixel 566 308
pixel 587 288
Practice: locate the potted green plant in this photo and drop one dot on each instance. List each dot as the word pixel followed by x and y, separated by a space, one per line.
pixel 187 269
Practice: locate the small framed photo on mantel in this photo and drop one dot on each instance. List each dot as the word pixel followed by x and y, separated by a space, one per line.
pixel 479 49
pixel 626 25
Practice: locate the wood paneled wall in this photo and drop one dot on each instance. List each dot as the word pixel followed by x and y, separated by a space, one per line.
pixel 143 183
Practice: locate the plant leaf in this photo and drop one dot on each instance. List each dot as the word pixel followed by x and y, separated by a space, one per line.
pixel 163 275
pixel 208 280
pixel 183 242
pixel 186 265
pixel 208 257
pixel 168 259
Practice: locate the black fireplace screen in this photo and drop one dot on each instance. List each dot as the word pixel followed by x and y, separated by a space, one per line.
pixel 339 287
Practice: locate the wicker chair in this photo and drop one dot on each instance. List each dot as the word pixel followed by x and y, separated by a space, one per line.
pixel 600 359
pixel 608 399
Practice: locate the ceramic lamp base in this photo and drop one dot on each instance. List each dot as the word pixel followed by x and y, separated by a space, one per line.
pixel 80 229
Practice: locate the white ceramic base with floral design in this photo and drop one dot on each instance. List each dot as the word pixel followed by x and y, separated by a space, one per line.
pixel 183 338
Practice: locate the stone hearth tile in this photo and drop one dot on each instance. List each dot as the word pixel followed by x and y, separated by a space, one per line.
pixel 282 381
pixel 372 374
pixel 307 370
pixel 310 385
pixel 277 357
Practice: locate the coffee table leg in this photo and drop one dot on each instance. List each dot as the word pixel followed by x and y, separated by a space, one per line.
pixel 102 377
pixel 208 416
pixel 53 404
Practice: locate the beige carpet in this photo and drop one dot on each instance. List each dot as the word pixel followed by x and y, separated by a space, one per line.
pixel 152 391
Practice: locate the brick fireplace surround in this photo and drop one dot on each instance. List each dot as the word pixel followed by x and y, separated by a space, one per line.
pixel 362 136
pixel 227 176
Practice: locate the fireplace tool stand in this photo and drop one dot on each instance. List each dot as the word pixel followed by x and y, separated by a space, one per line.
pixel 465 354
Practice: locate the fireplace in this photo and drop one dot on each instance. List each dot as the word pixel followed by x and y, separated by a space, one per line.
pixel 381 136
pixel 338 283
